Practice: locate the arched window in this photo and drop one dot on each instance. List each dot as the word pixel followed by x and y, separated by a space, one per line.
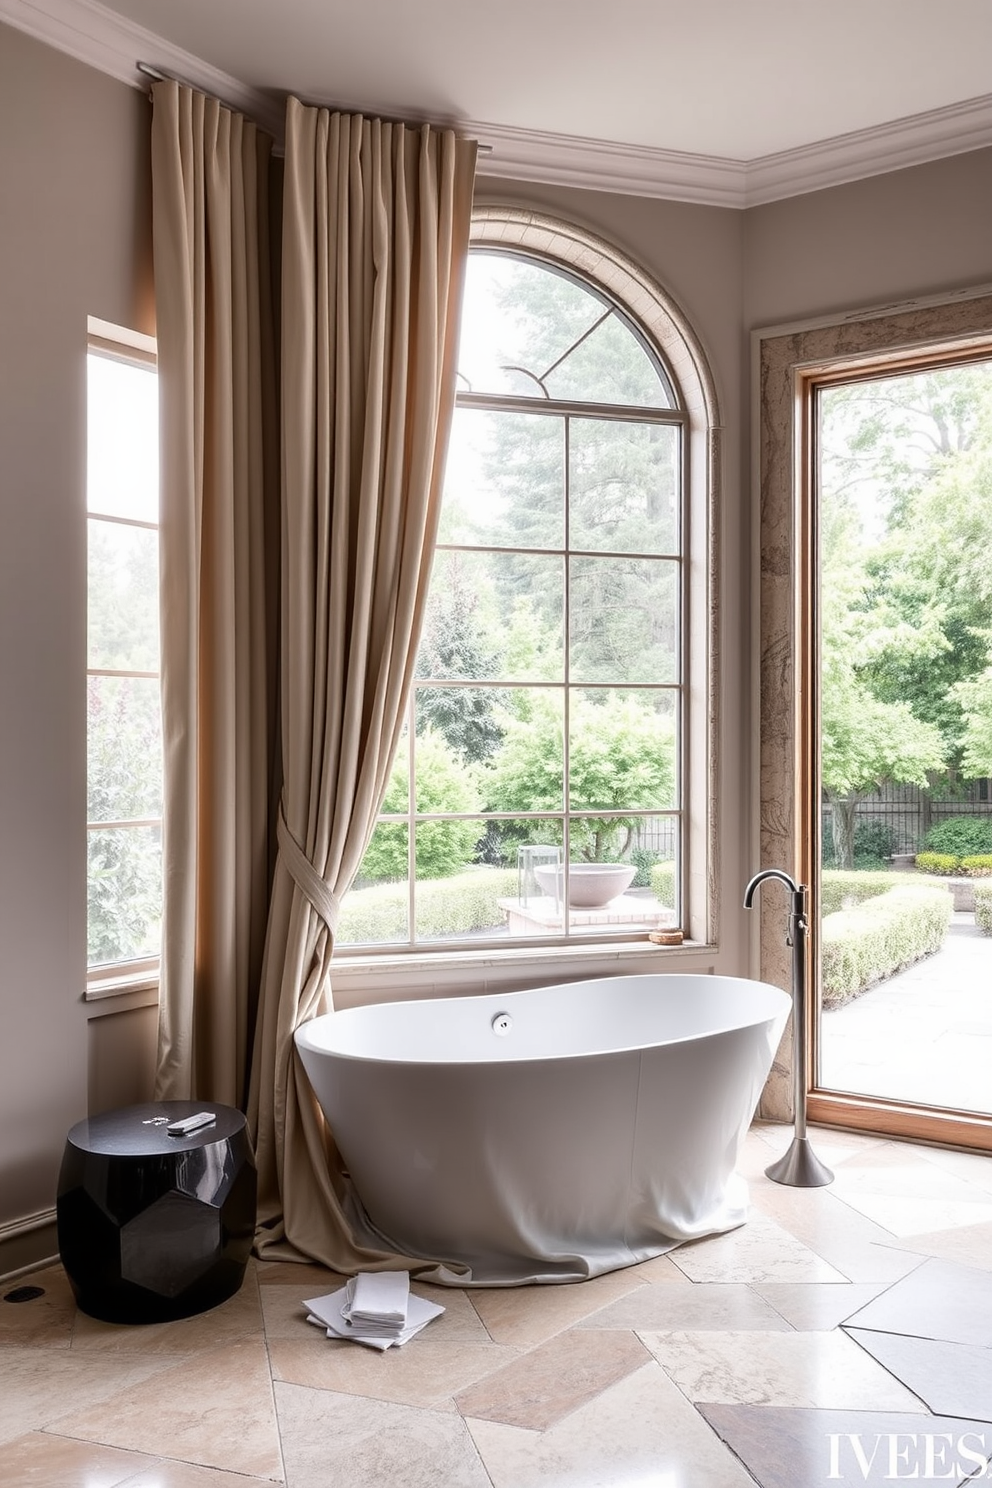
pixel 542 791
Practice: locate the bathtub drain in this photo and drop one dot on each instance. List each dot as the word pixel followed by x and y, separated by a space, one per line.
pixel 501 1024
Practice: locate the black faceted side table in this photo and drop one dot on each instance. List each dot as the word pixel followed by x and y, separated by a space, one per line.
pixel 152 1226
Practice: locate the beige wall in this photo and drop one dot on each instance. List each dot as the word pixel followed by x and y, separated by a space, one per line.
pixel 914 232
pixel 74 242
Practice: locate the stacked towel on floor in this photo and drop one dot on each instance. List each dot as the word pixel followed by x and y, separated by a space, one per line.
pixel 375 1308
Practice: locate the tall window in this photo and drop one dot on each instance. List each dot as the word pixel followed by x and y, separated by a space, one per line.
pixel 538 791
pixel 124 750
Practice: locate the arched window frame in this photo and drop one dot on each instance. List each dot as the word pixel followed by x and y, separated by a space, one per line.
pixel 667 328
pixel 433 970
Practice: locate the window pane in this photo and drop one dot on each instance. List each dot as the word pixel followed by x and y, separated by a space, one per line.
pixel 623 486
pixel 505 480
pixel 122 439
pixel 527 772
pixel 531 331
pixel 609 366
pixel 623 620
pixel 123 597
pixel 124 748
pixel 484 901
pixel 497 616
pixel 648 896
pixel 124 896
pixel 622 754
pixel 376 908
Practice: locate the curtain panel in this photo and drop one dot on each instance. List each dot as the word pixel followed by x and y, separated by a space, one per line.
pixel 219 560
pixel 375 240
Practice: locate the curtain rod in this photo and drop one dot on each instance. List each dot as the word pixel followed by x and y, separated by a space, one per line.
pixel 158 76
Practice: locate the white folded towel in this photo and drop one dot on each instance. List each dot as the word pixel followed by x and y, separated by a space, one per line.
pixel 329 1313
pixel 378 1300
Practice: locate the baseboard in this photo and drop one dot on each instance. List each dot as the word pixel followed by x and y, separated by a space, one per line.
pixel 26 1244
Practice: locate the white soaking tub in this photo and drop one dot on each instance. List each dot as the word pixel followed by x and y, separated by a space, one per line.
pixel 553 1134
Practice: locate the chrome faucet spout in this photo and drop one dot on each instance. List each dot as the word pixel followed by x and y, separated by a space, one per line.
pixel 759 879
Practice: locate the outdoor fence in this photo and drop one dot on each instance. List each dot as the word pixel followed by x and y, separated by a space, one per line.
pixel 910 812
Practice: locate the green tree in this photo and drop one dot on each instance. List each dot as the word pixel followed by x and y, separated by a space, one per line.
pixel 865 740
pixel 456 645
pixel 443 783
pixel 911 457
pixel 622 757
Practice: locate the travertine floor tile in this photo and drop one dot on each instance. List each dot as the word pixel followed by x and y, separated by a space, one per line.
pixel 342 1441
pixel 641 1433
pixel 46 1461
pixel 952 1379
pixel 713 1304
pixel 816 1306
pixel 660 1269
pixel 792 1448
pixel 43 1460
pixel 760 1250
pixel 45 1321
pixel 969 1245
pixel 420 1373
pixel 529 1315
pixel 311 1280
pixel 857 1248
pixel 39 1384
pixel 939 1300
pixel 807 1369
pixel 554 1379
pixel 214 1409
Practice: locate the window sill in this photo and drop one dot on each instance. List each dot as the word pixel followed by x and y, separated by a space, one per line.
pixel 121 991
pixel 386 977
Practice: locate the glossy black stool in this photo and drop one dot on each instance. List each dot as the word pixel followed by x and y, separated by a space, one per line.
pixel 152 1226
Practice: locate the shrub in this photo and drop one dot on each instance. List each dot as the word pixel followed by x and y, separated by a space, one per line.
pixel 645 860
pixel 663 883
pixel 862 946
pixel 841 888
pixel 983 907
pixel 459 905
pixel 874 840
pixel 935 862
pixel 963 836
pixel 979 866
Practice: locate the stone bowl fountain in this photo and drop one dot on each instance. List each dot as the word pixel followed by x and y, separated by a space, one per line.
pixel 590 885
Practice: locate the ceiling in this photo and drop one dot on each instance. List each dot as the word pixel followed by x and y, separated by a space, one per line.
pixel 717 88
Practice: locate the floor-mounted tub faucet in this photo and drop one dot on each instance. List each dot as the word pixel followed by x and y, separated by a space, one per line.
pixel 800 1167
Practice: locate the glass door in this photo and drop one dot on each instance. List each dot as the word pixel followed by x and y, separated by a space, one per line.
pixel 896 533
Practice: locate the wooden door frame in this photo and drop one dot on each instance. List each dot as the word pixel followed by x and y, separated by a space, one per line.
pixel 787 361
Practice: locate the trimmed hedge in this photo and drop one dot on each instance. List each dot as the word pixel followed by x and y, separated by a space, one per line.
pixel 862 946
pixel 458 905
pixel 979 866
pixel 935 862
pixel 663 883
pixel 983 907
pixel 842 888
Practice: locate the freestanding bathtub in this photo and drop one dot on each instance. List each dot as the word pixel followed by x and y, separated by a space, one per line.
pixel 548 1135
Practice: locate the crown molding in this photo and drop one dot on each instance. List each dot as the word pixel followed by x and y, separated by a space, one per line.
pixel 107 41
pixel 112 44
pixel 871 152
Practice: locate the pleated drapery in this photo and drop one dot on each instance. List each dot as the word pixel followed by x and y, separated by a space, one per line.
pixel 375 239
pixel 219 556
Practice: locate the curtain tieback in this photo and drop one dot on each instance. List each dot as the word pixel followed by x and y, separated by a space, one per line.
pixel 305 876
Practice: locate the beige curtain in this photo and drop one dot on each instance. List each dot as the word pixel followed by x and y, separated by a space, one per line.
pixel 375 239
pixel 219 537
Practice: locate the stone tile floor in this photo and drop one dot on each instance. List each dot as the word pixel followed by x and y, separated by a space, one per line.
pixel 843 1335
